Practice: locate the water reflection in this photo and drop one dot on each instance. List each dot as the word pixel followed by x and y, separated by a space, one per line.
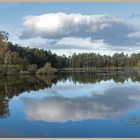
pixel 14 86
pixel 4 107
pixel 97 76
pixel 114 101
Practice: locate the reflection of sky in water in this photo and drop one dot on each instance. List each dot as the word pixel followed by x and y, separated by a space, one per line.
pixel 79 108
pixel 77 102
pixel 71 90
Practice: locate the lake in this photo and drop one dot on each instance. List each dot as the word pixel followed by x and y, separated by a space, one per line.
pixel 71 104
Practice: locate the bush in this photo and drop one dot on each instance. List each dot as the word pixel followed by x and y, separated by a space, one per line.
pixel 47 69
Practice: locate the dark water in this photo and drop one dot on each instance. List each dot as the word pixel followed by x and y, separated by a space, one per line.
pixel 70 105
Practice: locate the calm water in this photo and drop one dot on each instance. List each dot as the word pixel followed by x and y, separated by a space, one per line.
pixel 70 105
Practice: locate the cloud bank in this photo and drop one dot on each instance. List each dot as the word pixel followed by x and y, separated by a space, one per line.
pixel 110 29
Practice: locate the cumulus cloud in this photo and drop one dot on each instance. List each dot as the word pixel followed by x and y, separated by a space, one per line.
pixel 56 25
pixel 110 29
pixel 114 102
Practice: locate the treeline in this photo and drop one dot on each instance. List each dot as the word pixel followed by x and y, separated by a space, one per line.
pixel 96 60
pixel 31 59
pixel 84 60
pixel 38 56
pixel 15 59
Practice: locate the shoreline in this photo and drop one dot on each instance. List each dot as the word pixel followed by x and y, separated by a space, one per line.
pixel 111 70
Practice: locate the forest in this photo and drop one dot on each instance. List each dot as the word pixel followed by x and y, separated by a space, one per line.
pixel 18 59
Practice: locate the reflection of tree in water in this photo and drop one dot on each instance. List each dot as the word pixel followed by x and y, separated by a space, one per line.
pixel 11 86
pixel 98 76
pixel 4 107
pixel 48 79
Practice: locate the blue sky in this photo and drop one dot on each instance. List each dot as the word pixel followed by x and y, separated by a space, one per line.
pixel 12 20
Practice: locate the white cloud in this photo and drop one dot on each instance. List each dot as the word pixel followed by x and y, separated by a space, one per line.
pixel 55 25
pixel 110 29
pixel 76 33
pixel 80 43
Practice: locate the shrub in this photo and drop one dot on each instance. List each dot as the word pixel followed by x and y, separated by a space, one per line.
pixel 47 69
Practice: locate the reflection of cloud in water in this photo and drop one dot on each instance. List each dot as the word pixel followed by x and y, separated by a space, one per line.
pixel 115 102
pixel 70 90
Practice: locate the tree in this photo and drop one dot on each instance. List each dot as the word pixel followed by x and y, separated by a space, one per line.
pixel 4 50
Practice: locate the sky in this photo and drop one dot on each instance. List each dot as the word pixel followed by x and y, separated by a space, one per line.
pixel 66 28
